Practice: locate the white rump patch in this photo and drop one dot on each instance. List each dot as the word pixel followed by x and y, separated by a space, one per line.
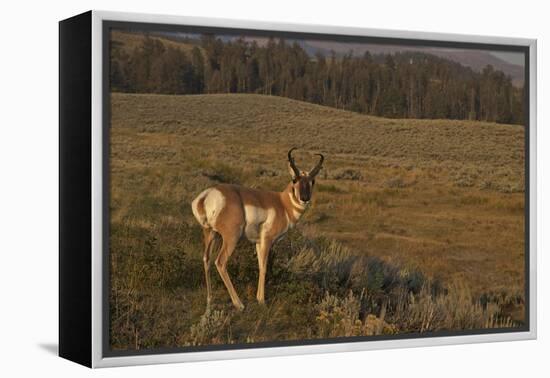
pixel 213 205
pixel 201 218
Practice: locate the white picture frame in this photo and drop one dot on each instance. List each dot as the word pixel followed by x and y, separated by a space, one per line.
pixel 98 358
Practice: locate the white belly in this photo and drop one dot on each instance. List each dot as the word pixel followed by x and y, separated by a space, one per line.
pixel 258 221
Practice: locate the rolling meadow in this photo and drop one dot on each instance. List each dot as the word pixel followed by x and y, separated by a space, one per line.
pixel 416 226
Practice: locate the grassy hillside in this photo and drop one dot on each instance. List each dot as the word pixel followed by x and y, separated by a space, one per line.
pixel 409 217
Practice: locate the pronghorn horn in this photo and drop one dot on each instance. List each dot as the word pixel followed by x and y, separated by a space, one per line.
pixel 318 167
pixel 292 163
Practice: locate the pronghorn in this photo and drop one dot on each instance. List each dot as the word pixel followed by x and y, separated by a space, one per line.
pixel 262 216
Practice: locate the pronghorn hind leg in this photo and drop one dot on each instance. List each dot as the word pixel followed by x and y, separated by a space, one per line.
pixel 262 249
pixel 228 246
pixel 209 242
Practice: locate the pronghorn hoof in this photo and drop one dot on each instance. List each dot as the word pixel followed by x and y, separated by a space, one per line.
pixel 239 307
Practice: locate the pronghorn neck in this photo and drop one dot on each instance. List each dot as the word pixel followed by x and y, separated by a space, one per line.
pixel 293 207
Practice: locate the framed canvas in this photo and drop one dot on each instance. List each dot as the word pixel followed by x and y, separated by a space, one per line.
pixel 239 189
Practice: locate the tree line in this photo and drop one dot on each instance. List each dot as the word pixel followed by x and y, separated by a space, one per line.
pixel 400 85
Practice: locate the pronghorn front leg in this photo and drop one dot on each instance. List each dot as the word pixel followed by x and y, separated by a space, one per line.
pixel 262 249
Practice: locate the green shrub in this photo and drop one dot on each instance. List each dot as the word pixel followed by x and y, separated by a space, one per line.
pixel 224 173
pixel 209 329
pixel 347 174
pixel 341 316
pixel 329 188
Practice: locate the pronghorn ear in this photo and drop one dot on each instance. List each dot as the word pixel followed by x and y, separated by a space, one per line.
pixel 292 174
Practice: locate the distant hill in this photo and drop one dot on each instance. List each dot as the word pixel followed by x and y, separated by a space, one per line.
pixel 129 41
pixel 475 59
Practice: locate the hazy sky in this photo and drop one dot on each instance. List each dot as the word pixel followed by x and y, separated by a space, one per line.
pixel 510 57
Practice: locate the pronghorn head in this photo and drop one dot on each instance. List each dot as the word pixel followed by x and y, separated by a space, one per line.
pixel 302 181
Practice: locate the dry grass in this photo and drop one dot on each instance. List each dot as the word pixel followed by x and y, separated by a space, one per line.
pixel 434 206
